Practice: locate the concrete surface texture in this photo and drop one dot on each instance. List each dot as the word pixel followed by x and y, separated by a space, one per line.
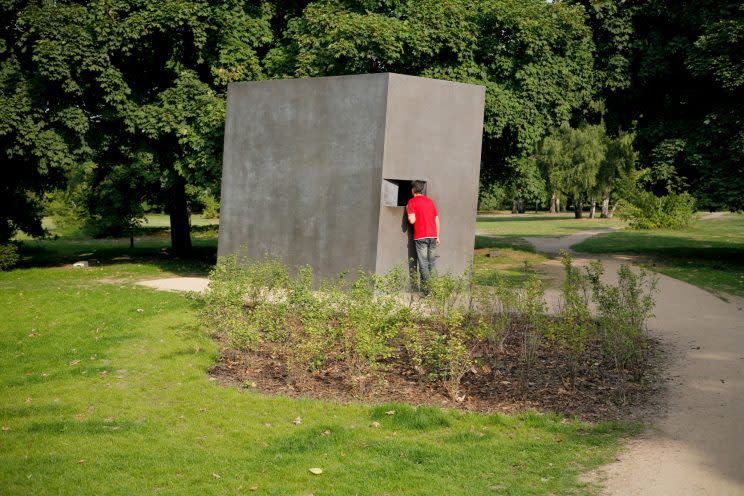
pixel 695 446
pixel 313 169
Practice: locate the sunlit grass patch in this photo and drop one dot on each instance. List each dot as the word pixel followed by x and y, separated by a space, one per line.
pixel 708 254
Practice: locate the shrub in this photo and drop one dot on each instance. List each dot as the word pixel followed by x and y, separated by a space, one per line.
pixel 622 313
pixel 648 211
pixel 491 197
pixel 211 206
pixel 573 326
pixel 8 256
pixel 371 319
pixel 530 305
pixel 236 287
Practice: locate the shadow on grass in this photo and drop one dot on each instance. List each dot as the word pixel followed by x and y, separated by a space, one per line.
pixel 152 250
pixel 513 242
pixel 526 218
pixel 666 246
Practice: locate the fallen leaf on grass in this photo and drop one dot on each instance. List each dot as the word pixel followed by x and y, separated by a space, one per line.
pixel 316 471
pixel 216 476
pixel 140 310
pixel 325 433
pixel 297 421
pixel 74 362
pixel 390 412
pixel 253 488
pixel 6 428
pixel 81 461
pixel 376 425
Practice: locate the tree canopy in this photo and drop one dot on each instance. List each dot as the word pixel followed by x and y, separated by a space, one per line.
pixel 133 92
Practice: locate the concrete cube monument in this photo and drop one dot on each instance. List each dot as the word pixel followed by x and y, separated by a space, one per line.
pixel 317 171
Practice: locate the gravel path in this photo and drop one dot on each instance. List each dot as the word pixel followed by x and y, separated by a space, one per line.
pixel 197 284
pixel 696 446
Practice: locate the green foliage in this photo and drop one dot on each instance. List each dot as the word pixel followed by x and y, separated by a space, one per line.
pixel 371 320
pixel 526 183
pixel 531 308
pixel 8 256
pixel 135 89
pixel 573 326
pixel 681 91
pixel 644 210
pixel 572 158
pixel 211 206
pixel 622 313
pixel 491 197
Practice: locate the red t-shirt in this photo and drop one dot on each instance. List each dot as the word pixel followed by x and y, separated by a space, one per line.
pixel 426 213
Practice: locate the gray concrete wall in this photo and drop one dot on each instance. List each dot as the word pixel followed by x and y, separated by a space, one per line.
pixel 433 132
pixel 302 165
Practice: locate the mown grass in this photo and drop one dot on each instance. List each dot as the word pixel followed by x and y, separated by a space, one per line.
pixel 708 254
pixel 499 258
pixel 105 391
pixel 517 226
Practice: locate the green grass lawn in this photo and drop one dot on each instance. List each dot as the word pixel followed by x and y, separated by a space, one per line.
pixel 503 258
pixel 511 226
pixel 709 254
pixel 105 391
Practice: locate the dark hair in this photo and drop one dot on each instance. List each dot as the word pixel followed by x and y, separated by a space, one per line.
pixel 418 186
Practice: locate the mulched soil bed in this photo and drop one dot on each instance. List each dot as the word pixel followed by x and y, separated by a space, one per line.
pixel 495 385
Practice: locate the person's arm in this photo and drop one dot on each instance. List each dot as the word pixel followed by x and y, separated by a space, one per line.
pixel 436 221
pixel 411 213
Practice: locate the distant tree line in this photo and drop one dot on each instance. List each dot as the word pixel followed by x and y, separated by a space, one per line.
pixel 110 105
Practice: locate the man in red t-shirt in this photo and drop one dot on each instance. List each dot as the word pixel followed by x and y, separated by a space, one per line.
pixel 422 214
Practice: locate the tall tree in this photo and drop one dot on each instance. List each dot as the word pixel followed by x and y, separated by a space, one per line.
pixel 679 87
pixel 572 157
pixel 147 83
pixel 616 167
pixel 43 121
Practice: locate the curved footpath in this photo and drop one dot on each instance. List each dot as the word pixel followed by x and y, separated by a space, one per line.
pixel 696 446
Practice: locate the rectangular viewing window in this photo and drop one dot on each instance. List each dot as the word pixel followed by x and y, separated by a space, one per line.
pixel 396 192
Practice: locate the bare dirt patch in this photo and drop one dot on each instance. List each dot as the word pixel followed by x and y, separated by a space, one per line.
pixel 496 384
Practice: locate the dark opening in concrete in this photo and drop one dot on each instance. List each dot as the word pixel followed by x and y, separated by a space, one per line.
pixel 397 192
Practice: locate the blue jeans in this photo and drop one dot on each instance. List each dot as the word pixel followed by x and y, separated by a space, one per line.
pixel 426 257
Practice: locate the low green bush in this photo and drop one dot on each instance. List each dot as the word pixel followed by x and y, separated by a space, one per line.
pixel 363 326
pixel 573 326
pixel 211 206
pixel 648 211
pixel 622 313
pixel 9 257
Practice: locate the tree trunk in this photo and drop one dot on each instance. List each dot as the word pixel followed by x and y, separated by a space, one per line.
pixel 179 218
pixel 553 202
pixel 612 211
pixel 593 210
pixel 520 206
pixel 557 205
pixel 605 207
pixel 536 206
pixel 577 208
pixel 515 208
